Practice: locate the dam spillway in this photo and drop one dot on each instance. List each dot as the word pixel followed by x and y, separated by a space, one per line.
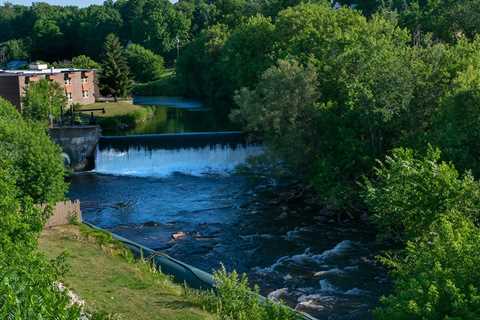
pixel 160 155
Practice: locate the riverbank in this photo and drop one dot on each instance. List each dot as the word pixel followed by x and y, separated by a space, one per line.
pixel 104 275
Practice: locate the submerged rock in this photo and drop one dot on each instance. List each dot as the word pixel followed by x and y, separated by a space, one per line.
pixel 179 235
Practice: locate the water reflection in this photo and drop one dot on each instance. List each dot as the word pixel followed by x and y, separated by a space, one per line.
pixel 177 120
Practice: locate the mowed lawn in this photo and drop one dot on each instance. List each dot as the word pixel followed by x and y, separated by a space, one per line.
pixel 109 283
pixel 113 109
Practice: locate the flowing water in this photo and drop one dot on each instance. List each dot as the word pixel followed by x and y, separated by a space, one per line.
pixel 153 194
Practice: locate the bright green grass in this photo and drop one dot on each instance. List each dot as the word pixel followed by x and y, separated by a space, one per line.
pixel 110 283
pixel 113 109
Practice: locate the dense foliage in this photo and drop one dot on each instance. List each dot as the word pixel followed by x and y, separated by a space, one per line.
pixel 409 193
pixel 84 62
pixel 31 180
pixel 234 300
pixel 144 64
pixel 44 100
pixel 425 201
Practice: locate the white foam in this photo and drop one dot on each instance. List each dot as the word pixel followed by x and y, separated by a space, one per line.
pixel 278 294
pixel 218 159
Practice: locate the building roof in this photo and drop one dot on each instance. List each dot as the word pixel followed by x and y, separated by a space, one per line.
pixel 40 72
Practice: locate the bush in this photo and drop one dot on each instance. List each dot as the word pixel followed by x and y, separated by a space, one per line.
pixel 27 289
pixel 36 161
pixel 43 100
pixel 408 194
pixel 234 300
pixel 438 277
pixel 84 62
pixel 166 86
pixel 144 64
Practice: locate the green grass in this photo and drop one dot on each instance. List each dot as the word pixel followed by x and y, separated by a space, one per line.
pixel 113 109
pixel 104 275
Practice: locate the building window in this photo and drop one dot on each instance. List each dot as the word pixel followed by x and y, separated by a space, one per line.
pixel 66 79
pixel 85 94
pixel 69 96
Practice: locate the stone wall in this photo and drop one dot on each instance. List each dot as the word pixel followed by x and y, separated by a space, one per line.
pixel 79 144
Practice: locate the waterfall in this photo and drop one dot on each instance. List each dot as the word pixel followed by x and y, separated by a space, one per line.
pixel 141 159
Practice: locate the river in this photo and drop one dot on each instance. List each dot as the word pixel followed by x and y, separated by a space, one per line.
pixel 189 202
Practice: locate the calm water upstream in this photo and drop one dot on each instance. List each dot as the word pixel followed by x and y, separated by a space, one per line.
pixel 149 194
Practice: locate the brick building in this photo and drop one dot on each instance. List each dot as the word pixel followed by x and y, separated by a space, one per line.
pixel 79 84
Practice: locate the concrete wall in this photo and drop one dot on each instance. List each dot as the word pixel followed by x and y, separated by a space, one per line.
pixel 79 143
pixel 64 212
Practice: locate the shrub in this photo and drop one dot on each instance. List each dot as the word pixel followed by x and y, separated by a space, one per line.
pixel 409 193
pixel 36 161
pixel 235 300
pixel 144 64
pixel 165 86
pixel 27 289
pixel 84 62
pixel 438 276
pixel 43 100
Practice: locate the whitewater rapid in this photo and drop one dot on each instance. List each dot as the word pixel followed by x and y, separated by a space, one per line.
pixel 142 162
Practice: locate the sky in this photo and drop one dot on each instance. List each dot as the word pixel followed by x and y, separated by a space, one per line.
pixel 81 3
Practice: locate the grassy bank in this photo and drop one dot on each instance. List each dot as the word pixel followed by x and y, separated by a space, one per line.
pixel 104 275
pixel 119 116
pixel 113 109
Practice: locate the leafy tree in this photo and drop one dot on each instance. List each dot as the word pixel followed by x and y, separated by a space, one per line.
pixel 163 25
pixel 43 100
pixel 96 23
pixel 408 194
pixel 114 79
pixel 31 174
pixel 198 68
pixel 144 64
pixel 36 159
pixel 248 52
pixel 438 276
pixel 14 49
pixel 47 39
pixel 281 108
pixel 84 62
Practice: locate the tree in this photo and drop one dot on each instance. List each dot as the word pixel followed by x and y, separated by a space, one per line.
pixel 198 68
pixel 144 64
pixel 84 62
pixel 409 193
pixel 281 109
pixel 14 49
pixel 248 52
pixel 43 101
pixel 31 176
pixel 162 26
pixel 115 75
pixel 438 276
pixel 32 173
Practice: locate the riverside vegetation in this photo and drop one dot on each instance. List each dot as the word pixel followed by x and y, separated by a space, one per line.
pixel 376 107
pixel 31 182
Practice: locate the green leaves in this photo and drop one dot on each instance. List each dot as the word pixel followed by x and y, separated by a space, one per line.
pixel 408 194
pixel 144 64
pixel 438 275
pixel 115 75
pixel 43 99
